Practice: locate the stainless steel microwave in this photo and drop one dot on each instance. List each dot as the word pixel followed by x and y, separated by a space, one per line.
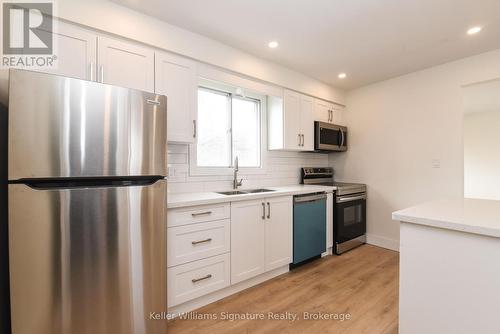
pixel 329 137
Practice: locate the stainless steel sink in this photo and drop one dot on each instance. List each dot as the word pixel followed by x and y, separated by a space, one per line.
pixel 243 192
pixel 229 193
pixel 253 191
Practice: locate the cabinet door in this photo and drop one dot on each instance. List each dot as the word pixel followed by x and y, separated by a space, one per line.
pixel 125 64
pixel 291 107
pixel 322 111
pixel 307 123
pixel 279 220
pixel 247 240
pixel 175 77
pixel 338 115
pixel 76 51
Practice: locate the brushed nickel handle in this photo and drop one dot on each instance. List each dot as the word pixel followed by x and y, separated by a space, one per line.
pixel 153 102
pixel 201 241
pixel 342 199
pixel 268 210
pixel 201 213
pixel 194 128
pixel 263 210
pixel 298 136
pixel 194 280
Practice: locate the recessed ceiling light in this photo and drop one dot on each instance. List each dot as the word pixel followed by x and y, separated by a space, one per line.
pixel 473 30
pixel 273 44
pixel 342 76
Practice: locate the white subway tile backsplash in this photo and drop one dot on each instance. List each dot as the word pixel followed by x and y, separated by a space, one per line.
pixel 282 169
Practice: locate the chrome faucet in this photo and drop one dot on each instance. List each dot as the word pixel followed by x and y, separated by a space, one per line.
pixel 236 183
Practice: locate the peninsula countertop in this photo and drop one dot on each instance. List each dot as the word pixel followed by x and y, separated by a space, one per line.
pixel 177 200
pixel 477 216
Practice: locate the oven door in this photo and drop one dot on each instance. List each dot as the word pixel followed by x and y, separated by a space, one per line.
pixel 330 137
pixel 350 217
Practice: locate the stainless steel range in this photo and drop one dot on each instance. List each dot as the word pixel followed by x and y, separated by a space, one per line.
pixel 349 209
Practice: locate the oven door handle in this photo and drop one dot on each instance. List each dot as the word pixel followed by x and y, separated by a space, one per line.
pixel 350 198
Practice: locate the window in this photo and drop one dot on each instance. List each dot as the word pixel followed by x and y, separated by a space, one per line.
pixel 229 126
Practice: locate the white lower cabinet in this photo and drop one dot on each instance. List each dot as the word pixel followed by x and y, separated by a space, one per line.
pixel 247 239
pixel 198 278
pixel 260 236
pixel 197 241
pixel 211 247
pixel 278 232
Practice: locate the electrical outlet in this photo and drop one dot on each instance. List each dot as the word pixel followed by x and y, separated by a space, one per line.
pixel 171 171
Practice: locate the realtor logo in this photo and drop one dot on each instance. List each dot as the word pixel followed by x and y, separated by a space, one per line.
pixel 27 38
pixel 26 30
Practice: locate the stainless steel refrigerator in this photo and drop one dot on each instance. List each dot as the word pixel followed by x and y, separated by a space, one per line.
pixel 86 206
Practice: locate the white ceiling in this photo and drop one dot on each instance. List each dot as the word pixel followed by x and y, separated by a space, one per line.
pixel 370 40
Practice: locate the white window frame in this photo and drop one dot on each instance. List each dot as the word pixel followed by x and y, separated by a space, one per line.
pixel 195 170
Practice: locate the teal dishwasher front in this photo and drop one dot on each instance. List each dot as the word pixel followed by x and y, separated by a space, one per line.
pixel 309 226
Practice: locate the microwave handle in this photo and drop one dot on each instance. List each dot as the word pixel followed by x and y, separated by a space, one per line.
pixel 343 138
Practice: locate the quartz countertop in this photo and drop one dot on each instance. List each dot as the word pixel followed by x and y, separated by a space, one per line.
pixel 476 216
pixel 177 200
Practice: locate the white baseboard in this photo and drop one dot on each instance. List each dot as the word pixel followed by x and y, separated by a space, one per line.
pixel 383 242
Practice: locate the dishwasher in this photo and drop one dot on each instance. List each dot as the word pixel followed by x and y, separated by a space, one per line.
pixel 309 227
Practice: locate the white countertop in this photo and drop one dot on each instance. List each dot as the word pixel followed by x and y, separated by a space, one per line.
pixel 466 215
pixel 178 200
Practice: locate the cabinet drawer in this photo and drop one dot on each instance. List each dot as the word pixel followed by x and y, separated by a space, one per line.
pixel 198 214
pixel 195 279
pixel 197 241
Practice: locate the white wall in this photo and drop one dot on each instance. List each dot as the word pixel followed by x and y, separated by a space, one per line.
pixel 113 18
pixel 400 131
pixel 482 155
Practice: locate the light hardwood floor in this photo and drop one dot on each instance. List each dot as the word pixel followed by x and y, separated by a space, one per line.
pixel 362 283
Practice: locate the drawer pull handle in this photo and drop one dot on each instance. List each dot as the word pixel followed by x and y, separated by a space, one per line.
pixel 201 213
pixel 194 280
pixel 201 241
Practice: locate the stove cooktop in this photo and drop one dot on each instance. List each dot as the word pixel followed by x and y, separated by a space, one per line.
pixel 323 176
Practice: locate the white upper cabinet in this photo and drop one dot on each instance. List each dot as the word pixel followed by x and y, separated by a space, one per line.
pixel 76 51
pixel 176 77
pixel 338 113
pixel 323 111
pixel 291 122
pixel 125 64
pixel 307 123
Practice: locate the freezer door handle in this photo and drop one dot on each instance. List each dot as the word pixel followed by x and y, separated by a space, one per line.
pixel 99 182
